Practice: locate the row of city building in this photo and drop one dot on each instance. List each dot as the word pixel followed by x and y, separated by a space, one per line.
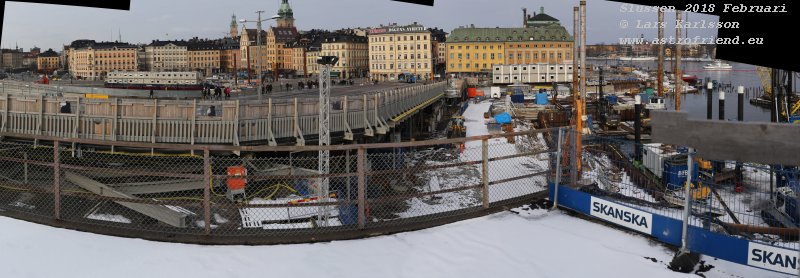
pixel 386 52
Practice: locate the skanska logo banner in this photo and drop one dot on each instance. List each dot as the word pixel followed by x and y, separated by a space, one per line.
pixel 621 215
pixel 772 258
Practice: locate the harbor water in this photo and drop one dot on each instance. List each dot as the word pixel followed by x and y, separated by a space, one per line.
pixel 695 104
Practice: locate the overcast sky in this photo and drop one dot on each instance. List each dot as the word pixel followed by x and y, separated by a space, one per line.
pixel 52 26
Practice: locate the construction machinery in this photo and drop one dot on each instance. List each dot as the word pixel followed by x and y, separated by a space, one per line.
pixel 456 128
pixel 670 166
pixel 784 201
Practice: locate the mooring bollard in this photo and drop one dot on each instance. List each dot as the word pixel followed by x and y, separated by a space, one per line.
pixel 740 114
pixel 721 105
pixel 709 100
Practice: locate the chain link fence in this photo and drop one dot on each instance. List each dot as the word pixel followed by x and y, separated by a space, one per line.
pixel 753 203
pixel 270 192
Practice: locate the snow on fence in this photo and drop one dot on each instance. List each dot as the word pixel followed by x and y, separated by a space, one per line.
pixel 167 193
pixel 741 212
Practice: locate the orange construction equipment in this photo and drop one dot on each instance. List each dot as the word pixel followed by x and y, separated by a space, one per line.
pixel 236 182
pixel 472 92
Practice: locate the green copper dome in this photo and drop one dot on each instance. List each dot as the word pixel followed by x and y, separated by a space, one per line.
pixel 285 11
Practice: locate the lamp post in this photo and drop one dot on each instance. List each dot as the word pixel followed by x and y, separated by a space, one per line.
pixel 325 62
pixel 258 44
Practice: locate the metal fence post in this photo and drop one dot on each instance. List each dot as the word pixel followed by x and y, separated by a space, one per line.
pixel 687 205
pixel 485 171
pixel 56 180
pixel 574 159
pixel 361 156
pixel 558 169
pixel 207 191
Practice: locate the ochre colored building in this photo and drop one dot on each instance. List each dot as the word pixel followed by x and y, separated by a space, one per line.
pixel 399 52
pixel 93 60
pixel 472 51
pixel 48 61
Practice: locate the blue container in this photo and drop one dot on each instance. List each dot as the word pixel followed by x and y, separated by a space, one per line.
pixel 518 98
pixel 645 98
pixel 348 214
pixel 612 99
pixel 541 98
pixel 503 118
pixel 674 173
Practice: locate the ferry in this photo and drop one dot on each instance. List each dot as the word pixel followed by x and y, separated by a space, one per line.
pixel 718 65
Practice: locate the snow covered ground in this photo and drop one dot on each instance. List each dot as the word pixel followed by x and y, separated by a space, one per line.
pixel 535 243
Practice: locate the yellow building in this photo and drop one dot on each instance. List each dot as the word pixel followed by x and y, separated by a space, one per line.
pixel 205 57
pixel 473 51
pixel 398 52
pixel 278 56
pixel 166 56
pixel 352 52
pixel 48 61
pixel 93 60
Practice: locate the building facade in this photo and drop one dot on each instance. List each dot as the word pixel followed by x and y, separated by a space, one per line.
pixel 249 51
pixel 48 61
pixel 204 56
pixel 229 55
pixel 305 50
pixel 532 74
pixel 12 58
pixel 352 51
pixel 473 51
pixel 398 52
pixel 94 60
pixel 166 56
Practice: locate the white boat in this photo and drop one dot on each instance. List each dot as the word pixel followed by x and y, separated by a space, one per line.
pixel 718 65
pixel 656 103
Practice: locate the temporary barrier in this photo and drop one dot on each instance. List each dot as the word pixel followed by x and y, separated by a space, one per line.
pixel 717 219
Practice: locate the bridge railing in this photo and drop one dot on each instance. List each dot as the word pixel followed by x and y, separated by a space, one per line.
pixel 373 188
pixel 199 121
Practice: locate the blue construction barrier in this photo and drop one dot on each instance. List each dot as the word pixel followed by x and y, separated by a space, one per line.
pixel 668 230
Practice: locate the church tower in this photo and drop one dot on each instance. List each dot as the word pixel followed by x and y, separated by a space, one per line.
pixel 286 19
pixel 234 27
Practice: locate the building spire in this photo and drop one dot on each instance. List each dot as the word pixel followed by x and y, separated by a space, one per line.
pixel 234 26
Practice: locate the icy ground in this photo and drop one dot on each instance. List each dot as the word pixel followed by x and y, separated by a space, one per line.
pixel 535 243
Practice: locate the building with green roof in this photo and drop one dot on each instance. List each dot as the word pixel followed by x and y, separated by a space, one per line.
pixel 542 40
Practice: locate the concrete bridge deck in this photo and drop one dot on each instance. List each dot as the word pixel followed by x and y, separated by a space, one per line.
pixel 373 110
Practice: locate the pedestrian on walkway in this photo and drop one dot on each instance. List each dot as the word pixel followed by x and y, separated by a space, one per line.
pixel 227 92
pixel 151 93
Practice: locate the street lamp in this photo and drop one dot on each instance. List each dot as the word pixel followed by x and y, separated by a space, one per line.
pixel 326 62
pixel 258 43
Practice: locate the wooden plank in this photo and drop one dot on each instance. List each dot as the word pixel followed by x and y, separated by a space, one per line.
pixel 158 186
pixel 158 212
